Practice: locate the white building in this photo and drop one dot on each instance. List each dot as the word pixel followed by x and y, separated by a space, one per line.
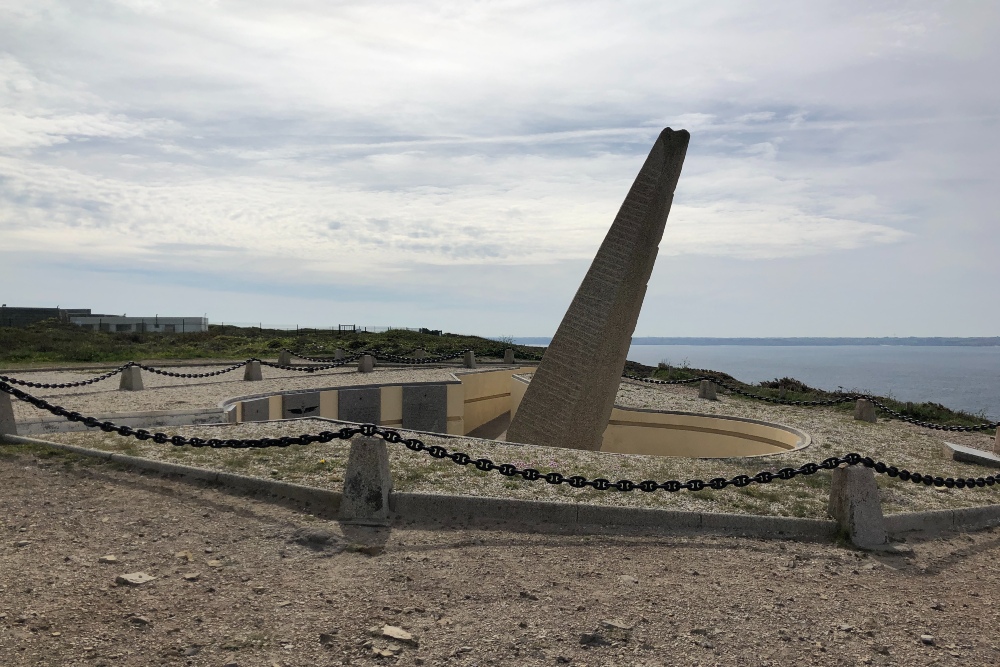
pixel 155 324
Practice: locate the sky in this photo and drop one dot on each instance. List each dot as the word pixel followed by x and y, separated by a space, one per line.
pixel 455 165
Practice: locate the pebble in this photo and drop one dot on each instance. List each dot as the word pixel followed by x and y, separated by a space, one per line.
pixel 927 639
pixel 134 578
pixel 107 559
pixel 399 634
pixel 22 543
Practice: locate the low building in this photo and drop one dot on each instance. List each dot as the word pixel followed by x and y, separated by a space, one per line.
pixel 16 316
pixel 155 324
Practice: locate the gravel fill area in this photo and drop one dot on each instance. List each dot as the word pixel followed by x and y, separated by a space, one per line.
pixel 834 432
pixel 241 582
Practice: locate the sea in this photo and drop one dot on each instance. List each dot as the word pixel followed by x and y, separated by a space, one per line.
pixel 960 378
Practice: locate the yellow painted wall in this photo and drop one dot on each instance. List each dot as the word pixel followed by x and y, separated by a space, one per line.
pixel 328 404
pixel 487 396
pixel 392 405
pixel 456 409
pixel 694 436
pixel 274 407
pixel 517 388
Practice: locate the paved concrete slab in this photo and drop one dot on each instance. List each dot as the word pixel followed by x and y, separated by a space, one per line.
pixel 305 404
pixel 970 455
pixel 257 410
pixel 425 408
pixel 360 405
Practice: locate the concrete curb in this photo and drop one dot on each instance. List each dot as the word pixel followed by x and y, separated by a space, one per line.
pixel 150 419
pixel 583 519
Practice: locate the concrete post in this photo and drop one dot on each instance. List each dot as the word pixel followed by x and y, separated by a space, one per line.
pixel 508 356
pixel 470 359
pixel 855 504
pixel 7 424
pixel 284 358
pixel 570 398
pixel 366 364
pixel 251 372
pixel 338 354
pixel 131 379
pixel 996 442
pixel 367 483
pixel 707 391
pixel 864 410
pixel 420 353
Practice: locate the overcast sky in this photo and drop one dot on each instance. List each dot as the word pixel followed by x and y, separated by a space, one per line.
pixel 456 165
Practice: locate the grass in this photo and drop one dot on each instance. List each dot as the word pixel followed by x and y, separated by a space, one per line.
pixel 50 341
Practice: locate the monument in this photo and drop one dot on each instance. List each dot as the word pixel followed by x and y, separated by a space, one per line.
pixel 569 400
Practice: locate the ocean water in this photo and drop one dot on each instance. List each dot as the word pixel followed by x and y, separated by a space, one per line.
pixel 961 378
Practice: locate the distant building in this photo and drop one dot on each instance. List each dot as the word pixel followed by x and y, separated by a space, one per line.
pixel 155 324
pixel 13 316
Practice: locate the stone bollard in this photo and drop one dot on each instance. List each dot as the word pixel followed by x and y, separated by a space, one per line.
pixel 366 364
pixel 284 358
pixel 251 372
pixel 996 442
pixel 864 410
pixel 367 483
pixel 131 379
pixel 7 424
pixel 338 354
pixel 707 390
pixel 470 359
pixel 855 504
pixel 508 356
pixel 420 353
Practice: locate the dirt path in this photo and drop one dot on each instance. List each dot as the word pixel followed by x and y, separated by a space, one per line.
pixel 261 588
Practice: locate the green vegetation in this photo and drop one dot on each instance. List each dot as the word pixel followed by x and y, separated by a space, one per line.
pixel 790 389
pixel 51 341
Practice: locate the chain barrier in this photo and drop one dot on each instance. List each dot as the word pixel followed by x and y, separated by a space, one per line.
pixel 305 369
pixel 508 469
pixel 848 398
pixel 66 385
pixel 191 375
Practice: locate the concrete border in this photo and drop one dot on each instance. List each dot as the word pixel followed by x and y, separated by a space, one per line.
pixel 148 419
pixel 581 518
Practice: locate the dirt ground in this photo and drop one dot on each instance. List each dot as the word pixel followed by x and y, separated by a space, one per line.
pixel 239 581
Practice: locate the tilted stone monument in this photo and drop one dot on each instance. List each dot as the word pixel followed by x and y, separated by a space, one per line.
pixel 568 402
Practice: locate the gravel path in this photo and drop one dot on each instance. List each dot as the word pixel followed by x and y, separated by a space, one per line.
pixel 833 430
pixel 246 583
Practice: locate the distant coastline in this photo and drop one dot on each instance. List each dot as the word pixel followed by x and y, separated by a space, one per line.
pixel 993 341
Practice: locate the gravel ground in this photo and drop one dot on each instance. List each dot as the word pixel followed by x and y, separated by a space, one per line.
pixel 834 432
pixel 244 583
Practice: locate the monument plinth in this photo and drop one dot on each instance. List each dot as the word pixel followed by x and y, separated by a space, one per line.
pixel 569 400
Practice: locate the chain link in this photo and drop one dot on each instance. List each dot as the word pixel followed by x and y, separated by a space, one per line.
pixel 508 469
pixel 191 375
pixel 66 385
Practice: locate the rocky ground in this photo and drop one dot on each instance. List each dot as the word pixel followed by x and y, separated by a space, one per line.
pixel 236 581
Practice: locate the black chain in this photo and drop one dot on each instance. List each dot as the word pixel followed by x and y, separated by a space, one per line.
pixel 306 369
pixel 508 469
pixel 191 375
pixel 66 385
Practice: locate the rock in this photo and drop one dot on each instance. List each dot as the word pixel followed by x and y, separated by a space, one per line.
pixel 286 603
pixel 139 620
pixel 617 623
pixel 844 627
pixel 214 563
pixel 186 555
pixel 326 638
pixel 134 579
pixel 630 579
pixel 593 639
pixel 927 640
pixel 191 576
pixel 192 650
pixel 528 596
pixel 22 543
pixel 399 634
pixel 107 559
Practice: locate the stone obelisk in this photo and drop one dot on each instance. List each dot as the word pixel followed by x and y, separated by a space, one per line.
pixel 569 400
